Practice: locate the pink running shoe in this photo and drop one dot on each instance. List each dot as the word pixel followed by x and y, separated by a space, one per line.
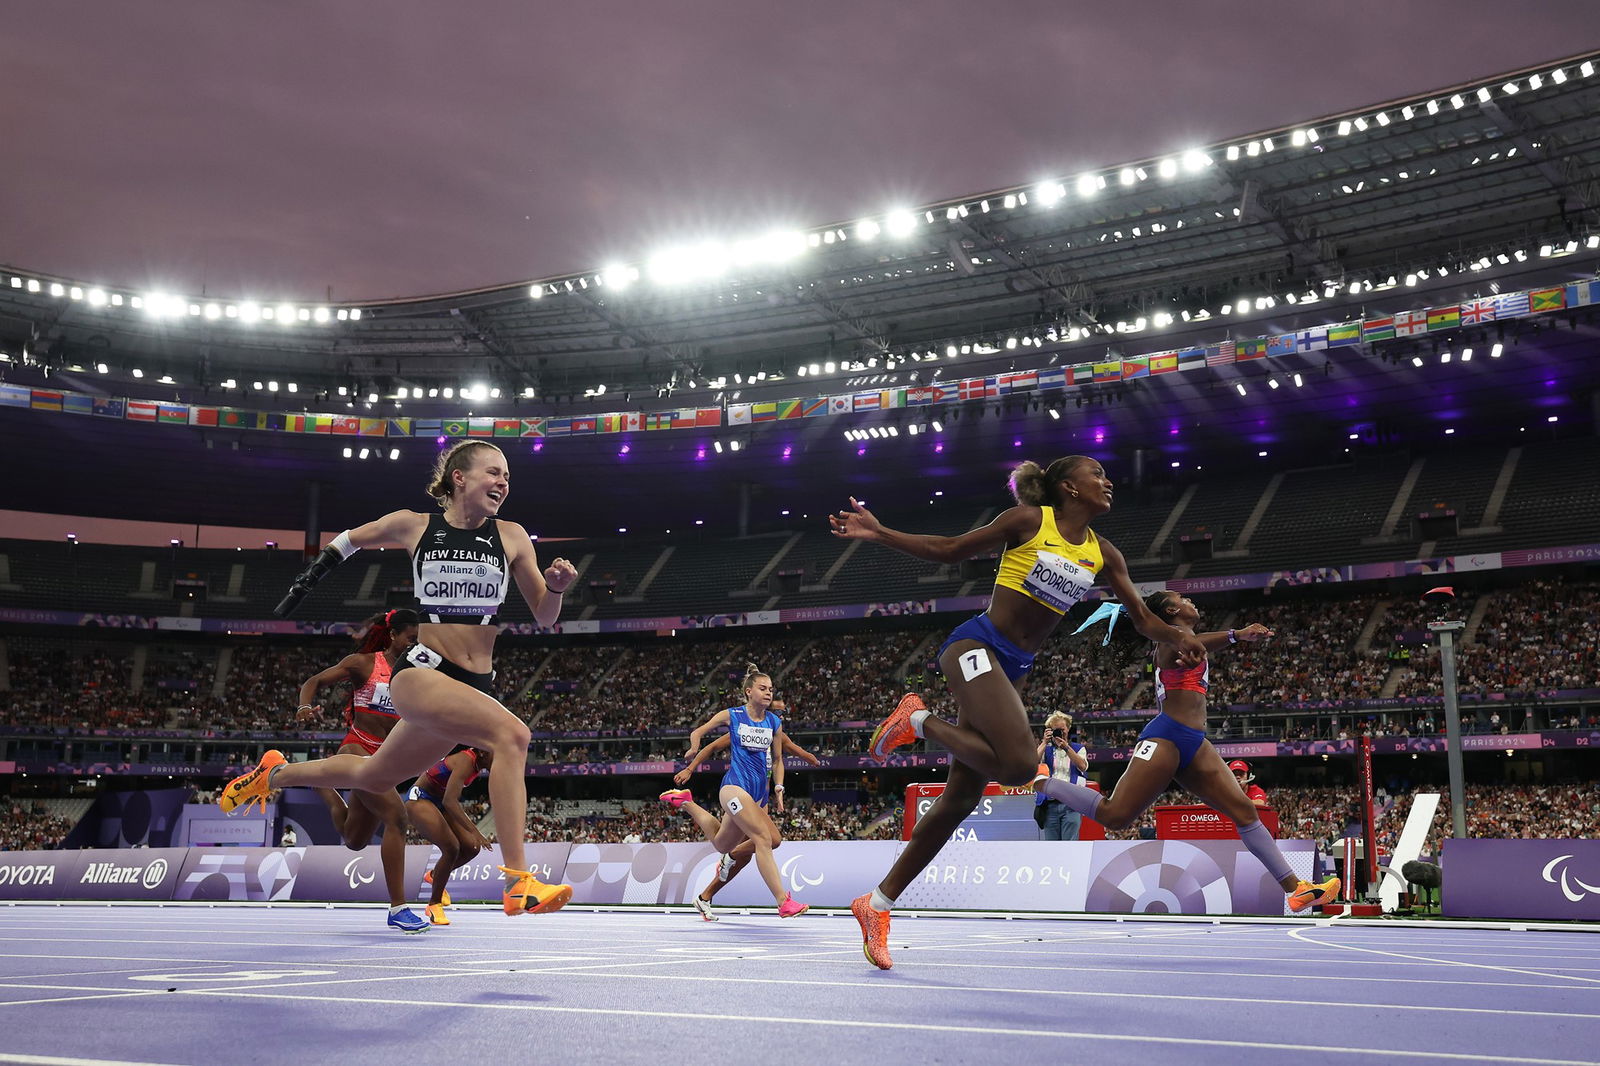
pixel 896 729
pixel 676 797
pixel 874 931
pixel 791 907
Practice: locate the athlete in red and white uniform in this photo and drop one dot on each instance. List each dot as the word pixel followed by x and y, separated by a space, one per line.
pixel 369 715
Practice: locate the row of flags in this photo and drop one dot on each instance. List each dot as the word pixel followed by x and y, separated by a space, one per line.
pixel 1223 353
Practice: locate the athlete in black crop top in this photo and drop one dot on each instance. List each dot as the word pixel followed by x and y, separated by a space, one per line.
pixel 462 563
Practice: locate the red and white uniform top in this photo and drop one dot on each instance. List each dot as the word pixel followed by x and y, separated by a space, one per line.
pixel 1182 679
pixel 372 697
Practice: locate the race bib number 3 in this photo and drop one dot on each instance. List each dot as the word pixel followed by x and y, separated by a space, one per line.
pixel 975 663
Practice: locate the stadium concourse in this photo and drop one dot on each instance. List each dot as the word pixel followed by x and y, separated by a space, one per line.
pixel 1328 366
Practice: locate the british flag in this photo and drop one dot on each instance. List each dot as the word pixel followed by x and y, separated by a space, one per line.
pixel 1476 311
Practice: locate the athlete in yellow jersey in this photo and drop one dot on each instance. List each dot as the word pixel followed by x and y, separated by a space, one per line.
pixel 1051 560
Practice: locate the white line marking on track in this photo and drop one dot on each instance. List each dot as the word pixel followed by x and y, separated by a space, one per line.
pixel 57 1060
pixel 1443 962
pixel 925 1027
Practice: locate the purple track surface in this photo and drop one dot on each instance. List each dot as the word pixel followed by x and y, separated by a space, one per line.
pixel 98 984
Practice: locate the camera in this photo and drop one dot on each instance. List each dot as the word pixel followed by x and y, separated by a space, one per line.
pixel 1051 734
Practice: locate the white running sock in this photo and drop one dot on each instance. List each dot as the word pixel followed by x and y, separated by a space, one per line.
pixel 397 909
pixel 917 718
pixel 879 901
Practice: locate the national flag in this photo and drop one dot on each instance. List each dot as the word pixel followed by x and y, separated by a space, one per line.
pixel 15 396
pixel 481 426
pixel 399 427
pixel 374 427
pixel 658 420
pixel 738 414
pixel 557 427
pixel 173 414
pixel 454 427
pixel 76 403
pixel 45 400
pixel 1082 374
pixel 1250 348
pixel 1111 371
pixel 1165 363
pixel 840 405
pixel 350 425
pixel 297 424
pixel 814 407
pixel 531 427
pixel 142 411
pixel 203 416
pixel 866 401
pixel 1281 344
pixel 894 397
pixel 1344 334
pixel 505 427
pixel 632 420
pixel 1191 359
pixel 708 417
pixel 108 406
pixel 1138 367
pixel 683 418
pixel 1053 378
pixel 766 411
pixel 1377 329
pixel 1511 305
pixel 1540 300
pixel 584 424
pixel 273 420
pixel 923 395
pixel 1411 323
pixel 427 427
pixel 1221 354
pixel 1441 318
pixel 233 418
pixel 324 424
pixel 1021 381
pixel 1582 293
pixel 1311 340
pixel 977 388
pixel 1474 312
pixel 791 409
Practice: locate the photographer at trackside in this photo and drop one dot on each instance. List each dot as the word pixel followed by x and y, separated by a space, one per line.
pixel 1065 760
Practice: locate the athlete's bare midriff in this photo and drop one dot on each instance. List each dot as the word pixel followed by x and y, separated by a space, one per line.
pixel 469 647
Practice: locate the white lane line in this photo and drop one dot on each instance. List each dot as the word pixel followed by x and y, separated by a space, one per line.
pixel 1444 962
pixel 927 1027
pixel 77 999
pixel 58 1060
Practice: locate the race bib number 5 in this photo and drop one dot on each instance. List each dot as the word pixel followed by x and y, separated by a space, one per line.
pixel 1145 749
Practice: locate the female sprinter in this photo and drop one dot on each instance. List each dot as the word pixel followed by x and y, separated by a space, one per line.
pixel 434 804
pixel 1173 747
pixel 757 751
pixel 462 563
pixel 368 718
pixel 1051 559
pixel 734 862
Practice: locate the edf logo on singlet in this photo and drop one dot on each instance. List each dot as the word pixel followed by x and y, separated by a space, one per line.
pixel 755 737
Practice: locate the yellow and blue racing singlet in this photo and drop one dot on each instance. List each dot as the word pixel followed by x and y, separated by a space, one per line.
pixel 1049 570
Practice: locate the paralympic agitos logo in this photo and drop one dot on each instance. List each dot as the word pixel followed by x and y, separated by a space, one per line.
pixel 1550 869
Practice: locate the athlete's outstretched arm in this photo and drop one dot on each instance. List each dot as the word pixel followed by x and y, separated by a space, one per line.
pixel 1216 641
pixel 354 668
pixel 396 527
pixel 543 590
pixel 791 748
pixel 697 735
pixel 460 769
pixel 1115 573
pixel 722 743
pixel 1011 526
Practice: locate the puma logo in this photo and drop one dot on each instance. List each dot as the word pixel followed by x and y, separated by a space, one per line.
pixel 484 540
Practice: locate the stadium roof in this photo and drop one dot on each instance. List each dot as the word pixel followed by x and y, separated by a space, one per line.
pixel 1455 195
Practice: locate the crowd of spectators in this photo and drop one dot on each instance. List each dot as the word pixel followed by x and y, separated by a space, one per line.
pixel 1311 658
pixel 76 685
pixel 28 826
pixel 803 820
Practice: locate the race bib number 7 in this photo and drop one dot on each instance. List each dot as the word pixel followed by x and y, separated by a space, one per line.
pixel 975 663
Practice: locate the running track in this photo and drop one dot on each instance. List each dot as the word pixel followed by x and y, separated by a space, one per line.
pixel 240 985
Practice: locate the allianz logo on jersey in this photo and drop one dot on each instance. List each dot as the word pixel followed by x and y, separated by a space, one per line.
pixel 115 873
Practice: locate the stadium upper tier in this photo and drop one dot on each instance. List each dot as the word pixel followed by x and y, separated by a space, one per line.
pixel 1450 196
pixel 1540 495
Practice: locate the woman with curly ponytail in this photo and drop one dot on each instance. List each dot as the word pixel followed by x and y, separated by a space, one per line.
pixel 1050 559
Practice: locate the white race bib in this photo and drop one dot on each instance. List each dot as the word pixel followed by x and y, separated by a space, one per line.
pixel 1057 581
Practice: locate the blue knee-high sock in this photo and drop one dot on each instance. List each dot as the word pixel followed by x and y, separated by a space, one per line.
pixel 1258 838
pixel 1086 801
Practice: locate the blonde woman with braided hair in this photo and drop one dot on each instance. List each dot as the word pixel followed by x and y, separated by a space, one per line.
pixel 463 561
pixel 1051 558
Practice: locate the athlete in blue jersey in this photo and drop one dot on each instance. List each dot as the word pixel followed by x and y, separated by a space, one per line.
pixel 434 806
pixel 733 863
pixel 756 736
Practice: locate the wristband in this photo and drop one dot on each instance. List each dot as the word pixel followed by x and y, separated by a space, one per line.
pixel 1233 636
pixel 306 707
pixel 777 788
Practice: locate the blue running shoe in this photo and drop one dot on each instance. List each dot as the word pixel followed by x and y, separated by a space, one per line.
pixel 407 921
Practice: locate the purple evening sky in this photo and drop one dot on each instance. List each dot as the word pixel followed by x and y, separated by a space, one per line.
pixel 269 150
